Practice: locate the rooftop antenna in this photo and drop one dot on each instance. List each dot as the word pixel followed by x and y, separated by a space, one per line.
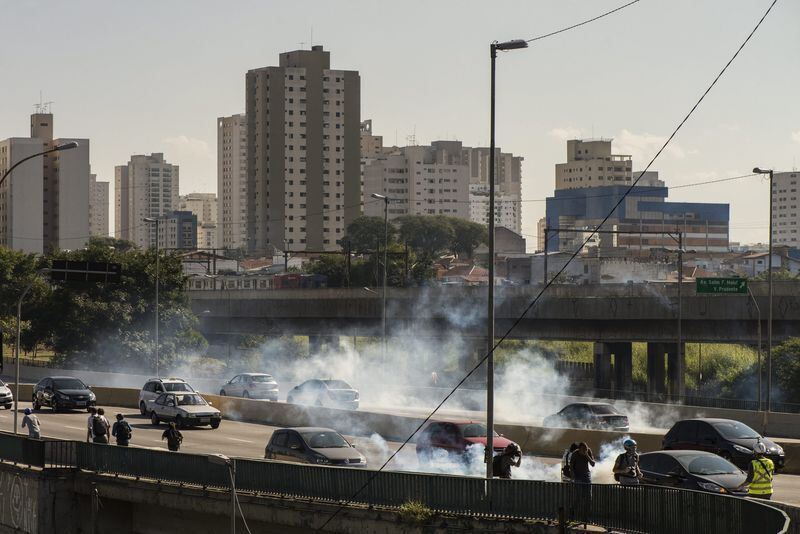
pixel 312 37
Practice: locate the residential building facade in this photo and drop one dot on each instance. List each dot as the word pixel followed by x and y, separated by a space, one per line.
pixel 508 187
pixel 147 186
pixel 98 207
pixel 785 212
pixel 303 152
pixel 590 163
pixel 232 181
pixel 177 230
pixel 204 206
pixel 22 196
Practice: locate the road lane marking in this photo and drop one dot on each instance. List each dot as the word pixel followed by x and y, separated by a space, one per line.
pixel 242 440
pixel 75 427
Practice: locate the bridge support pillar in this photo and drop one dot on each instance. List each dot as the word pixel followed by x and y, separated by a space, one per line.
pixel 319 343
pixel 676 370
pixel 602 367
pixel 623 366
pixel 655 369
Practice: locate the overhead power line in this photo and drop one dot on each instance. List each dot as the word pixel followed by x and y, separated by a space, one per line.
pixel 572 257
pixel 568 28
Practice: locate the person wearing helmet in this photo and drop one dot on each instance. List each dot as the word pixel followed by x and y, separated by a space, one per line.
pixel 501 464
pixel 626 467
pixel 32 422
pixel 760 473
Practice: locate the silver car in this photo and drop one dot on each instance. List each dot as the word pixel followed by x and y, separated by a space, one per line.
pixel 185 409
pixel 251 386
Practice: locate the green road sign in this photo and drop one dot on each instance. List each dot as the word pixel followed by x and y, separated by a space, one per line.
pixel 722 285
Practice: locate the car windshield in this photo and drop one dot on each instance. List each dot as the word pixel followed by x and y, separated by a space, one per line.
pixel 708 465
pixel 177 386
pixel 190 400
pixel 474 430
pixel 604 409
pixel 735 430
pixel 324 440
pixel 261 378
pixel 68 383
pixel 337 384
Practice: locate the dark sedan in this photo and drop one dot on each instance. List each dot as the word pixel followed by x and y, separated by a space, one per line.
pixel 693 470
pixel 591 415
pixel 730 439
pixel 62 393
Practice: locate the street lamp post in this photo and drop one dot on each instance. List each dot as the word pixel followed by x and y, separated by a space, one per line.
pixel 760 371
pixel 156 220
pixel 489 452
pixel 769 284
pixel 16 346
pixel 679 349
pixel 385 259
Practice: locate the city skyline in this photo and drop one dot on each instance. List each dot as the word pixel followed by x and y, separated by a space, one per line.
pixel 596 84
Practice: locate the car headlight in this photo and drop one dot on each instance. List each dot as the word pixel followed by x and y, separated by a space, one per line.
pixel 710 486
pixel 92 396
pixel 321 460
pixel 779 450
pixel 743 450
pixel 192 415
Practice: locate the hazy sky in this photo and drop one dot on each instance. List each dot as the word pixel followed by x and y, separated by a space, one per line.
pixel 152 76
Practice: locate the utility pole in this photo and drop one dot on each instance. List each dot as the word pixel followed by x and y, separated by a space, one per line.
pixel 769 283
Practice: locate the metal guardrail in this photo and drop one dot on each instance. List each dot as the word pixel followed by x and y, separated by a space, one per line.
pixel 643 509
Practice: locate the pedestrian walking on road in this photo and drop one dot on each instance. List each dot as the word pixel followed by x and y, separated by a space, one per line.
pixel 760 473
pixel 626 467
pixel 32 422
pixel 174 437
pixel 502 463
pixel 101 428
pixel 89 424
pixel 122 431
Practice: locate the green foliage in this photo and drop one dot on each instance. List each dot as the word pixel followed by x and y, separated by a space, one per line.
pixel 368 233
pixel 467 235
pixel 786 369
pixel 427 235
pixel 415 512
pixel 782 274
pixel 102 323
pixel 364 271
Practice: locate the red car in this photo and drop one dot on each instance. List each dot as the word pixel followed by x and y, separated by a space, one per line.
pixel 455 437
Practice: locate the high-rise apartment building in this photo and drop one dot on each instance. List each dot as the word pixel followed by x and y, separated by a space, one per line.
pixel 22 196
pixel 177 230
pixel 232 181
pixel 63 202
pixel 204 206
pixel 590 163
pixel 146 187
pixel 303 153
pixel 420 180
pixel 98 207
pixel 508 187
pixel 785 212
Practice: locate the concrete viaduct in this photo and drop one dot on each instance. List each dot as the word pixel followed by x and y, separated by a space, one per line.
pixel 611 316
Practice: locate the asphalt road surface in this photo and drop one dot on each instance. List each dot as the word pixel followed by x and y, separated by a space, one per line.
pixel 239 439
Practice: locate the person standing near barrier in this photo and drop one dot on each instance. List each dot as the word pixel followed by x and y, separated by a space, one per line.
pixel 566 468
pixel 580 462
pixel 173 436
pixel 32 422
pixel 122 431
pixel 101 427
pixel 89 425
pixel 502 463
pixel 626 467
pixel 760 473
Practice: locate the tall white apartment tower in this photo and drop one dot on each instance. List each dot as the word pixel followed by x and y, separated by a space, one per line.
pixel 204 207
pixel 98 207
pixel 303 152
pixel 785 211
pixel 65 210
pixel 22 196
pixel 146 187
pixel 232 181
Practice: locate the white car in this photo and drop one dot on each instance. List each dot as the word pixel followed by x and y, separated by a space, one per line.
pixel 251 386
pixel 185 409
pixel 156 386
pixel 6 398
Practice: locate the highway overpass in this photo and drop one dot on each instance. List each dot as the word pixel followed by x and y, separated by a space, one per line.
pixel 612 316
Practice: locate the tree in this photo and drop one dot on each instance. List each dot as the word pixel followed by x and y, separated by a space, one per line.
pixel 467 235
pixel 427 235
pixel 367 233
pixel 786 369
pixel 333 266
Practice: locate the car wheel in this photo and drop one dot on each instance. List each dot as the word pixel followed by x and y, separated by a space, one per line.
pixel 7 406
pixel 154 419
pixel 55 407
pixel 246 395
pixel 142 409
pixel 222 393
pixel 179 422
pixel 36 405
pixel 215 424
